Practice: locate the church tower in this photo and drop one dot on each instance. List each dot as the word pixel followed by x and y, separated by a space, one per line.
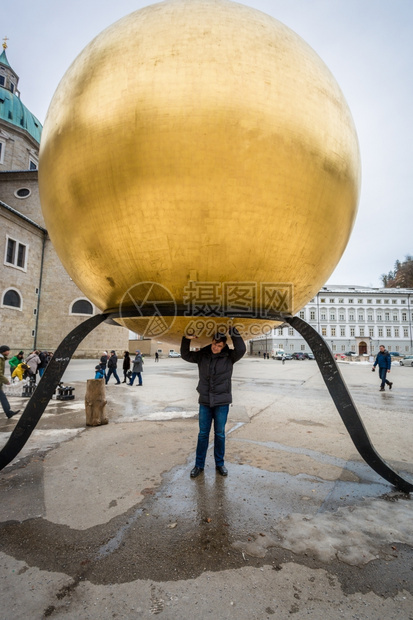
pixel 20 130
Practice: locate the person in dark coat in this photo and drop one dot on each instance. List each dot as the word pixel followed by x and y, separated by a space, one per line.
pixel 112 366
pixel 126 365
pixel 44 360
pixel 383 360
pixel 215 364
pixel 137 368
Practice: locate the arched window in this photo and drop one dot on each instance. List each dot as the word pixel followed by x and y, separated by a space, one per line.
pixel 81 306
pixel 12 299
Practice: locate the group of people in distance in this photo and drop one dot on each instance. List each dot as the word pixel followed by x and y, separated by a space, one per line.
pixel 108 366
pixel 20 368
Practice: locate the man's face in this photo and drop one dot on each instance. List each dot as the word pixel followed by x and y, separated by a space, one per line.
pixel 382 349
pixel 6 354
pixel 217 347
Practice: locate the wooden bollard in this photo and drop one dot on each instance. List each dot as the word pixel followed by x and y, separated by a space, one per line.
pixel 95 402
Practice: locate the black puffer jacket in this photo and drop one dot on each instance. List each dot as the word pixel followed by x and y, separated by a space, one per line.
pixel 215 370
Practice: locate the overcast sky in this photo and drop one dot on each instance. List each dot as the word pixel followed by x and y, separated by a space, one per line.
pixel 367 45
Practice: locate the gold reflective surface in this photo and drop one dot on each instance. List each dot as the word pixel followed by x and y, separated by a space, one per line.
pixel 198 141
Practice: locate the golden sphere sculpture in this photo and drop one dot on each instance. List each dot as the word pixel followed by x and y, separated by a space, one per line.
pixel 200 151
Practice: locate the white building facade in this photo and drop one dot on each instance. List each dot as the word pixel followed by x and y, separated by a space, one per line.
pixel 350 318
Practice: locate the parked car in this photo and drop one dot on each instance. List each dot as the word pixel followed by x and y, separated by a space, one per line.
pixel 174 354
pixel 288 356
pixel 406 361
pixel 395 354
pixel 278 355
pixel 350 353
pixel 298 356
pixel 310 356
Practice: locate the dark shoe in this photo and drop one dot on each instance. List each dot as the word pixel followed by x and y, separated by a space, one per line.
pixel 196 471
pixel 123 381
pixel 390 385
pixel 118 383
pixel 221 469
pixel 381 390
pixel 139 385
pixel 12 413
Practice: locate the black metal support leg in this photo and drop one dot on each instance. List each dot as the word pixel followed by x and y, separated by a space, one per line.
pixel 46 388
pixel 345 405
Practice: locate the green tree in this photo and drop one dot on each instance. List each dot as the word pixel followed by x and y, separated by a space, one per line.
pixel 401 276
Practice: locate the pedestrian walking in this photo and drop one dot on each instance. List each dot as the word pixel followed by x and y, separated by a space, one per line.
pixel 126 365
pixel 383 360
pixel 112 366
pixel 215 365
pixel 4 353
pixel 137 368
pixel 156 356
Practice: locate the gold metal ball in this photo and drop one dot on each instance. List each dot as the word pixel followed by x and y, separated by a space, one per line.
pixel 198 141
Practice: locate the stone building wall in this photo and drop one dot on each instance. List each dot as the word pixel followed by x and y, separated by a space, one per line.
pixel 17 325
pixel 18 148
pixel 11 183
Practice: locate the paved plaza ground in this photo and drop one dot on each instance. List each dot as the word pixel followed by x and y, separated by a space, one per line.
pixel 105 522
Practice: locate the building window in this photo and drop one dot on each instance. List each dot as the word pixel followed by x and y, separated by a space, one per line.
pixel 362 332
pixel 361 318
pixel 396 332
pixel 405 332
pixel 16 253
pixel 33 165
pixel 343 347
pixel 388 332
pixel 334 347
pixel 333 331
pixel 341 300
pixel 371 332
pixel 81 306
pixel 291 331
pixel 2 150
pixel 323 300
pixel 394 301
pixel 404 316
pixel 378 301
pixel 403 301
pixel 280 331
pixel 352 331
pixel 303 347
pixel 323 316
pixel 387 316
pixel 350 301
pixel 302 314
pixel 370 318
pixel 332 317
pixel 359 301
pixel 380 332
pixel 351 317
pixel 332 301
pixel 380 317
pixel 342 331
pixel 341 317
pixel 12 299
pixel 387 301
pixel 22 192
pixel 370 301
pixel 324 331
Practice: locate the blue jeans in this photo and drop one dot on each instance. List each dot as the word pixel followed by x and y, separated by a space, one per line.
pixel 134 375
pixel 112 371
pixel 383 375
pixel 4 402
pixel 219 415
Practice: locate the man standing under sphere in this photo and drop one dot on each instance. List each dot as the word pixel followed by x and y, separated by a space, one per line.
pixel 215 364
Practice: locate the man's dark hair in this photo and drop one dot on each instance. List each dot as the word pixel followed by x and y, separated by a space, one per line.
pixel 220 338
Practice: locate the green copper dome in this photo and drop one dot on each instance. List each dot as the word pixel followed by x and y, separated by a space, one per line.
pixel 13 111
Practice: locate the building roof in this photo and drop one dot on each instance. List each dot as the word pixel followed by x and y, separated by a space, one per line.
pixel 3 59
pixel 13 111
